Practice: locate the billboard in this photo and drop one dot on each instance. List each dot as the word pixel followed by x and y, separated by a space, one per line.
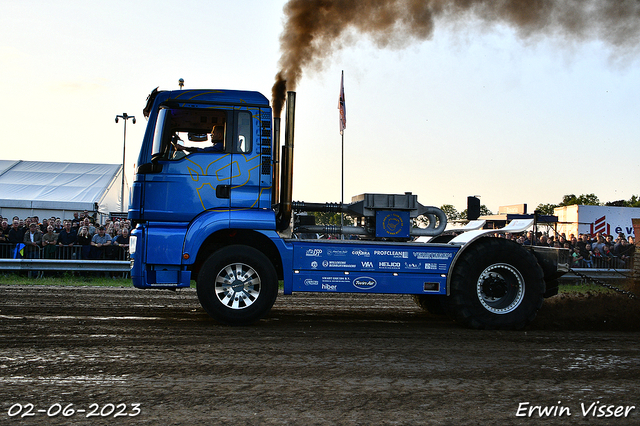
pixel 593 219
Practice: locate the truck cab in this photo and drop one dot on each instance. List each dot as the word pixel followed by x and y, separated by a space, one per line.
pixel 205 157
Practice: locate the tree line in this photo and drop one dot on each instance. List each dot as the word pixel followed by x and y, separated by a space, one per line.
pixel 587 200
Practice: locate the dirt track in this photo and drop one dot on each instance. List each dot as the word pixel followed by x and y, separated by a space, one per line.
pixel 316 359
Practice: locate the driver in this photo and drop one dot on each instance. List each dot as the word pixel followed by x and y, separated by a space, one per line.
pixel 217 142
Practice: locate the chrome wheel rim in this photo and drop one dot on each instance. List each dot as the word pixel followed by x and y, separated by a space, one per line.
pixel 237 286
pixel 500 288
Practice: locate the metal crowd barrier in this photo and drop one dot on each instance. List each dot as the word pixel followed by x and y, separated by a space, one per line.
pixel 75 252
pixel 65 265
pixel 64 258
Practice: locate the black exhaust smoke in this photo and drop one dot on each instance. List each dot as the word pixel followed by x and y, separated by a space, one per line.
pixel 315 29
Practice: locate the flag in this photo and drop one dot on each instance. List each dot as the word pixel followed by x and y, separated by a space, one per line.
pixel 18 253
pixel 342 106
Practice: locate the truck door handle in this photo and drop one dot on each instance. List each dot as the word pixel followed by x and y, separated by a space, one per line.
pixel 223 191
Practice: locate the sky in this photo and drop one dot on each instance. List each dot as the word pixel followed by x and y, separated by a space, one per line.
pixel 474 110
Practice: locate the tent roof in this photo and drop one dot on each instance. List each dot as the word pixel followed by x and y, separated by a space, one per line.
pixel 42 184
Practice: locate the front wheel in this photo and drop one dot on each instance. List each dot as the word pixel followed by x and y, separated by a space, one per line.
pixel 237 285
pixel 496 284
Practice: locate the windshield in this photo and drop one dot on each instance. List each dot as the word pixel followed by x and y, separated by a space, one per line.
pixel 181 131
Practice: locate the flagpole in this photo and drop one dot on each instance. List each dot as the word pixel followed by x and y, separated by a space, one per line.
pixel 342 198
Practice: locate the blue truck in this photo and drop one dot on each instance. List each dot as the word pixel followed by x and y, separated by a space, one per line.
pixel 212 202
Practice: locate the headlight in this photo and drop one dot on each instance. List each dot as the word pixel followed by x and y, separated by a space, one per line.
pixel 133 242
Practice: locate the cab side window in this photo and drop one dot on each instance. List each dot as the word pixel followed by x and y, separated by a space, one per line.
pixel 243 143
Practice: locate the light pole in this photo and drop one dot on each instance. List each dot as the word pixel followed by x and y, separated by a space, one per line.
pixel 125 117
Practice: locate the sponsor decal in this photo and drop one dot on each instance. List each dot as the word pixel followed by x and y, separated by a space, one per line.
pixel 314 264
pixel 337 264
pixel 430 266
pixel 313 253
pixel 338 279
pixel 337 252
pixel 360 252
pixel 410 265
pixel 389 265
pixel 330 287
pixel 432 255
pixel 392 253
pixel 364 283
pixel 309 281
pixel 367 265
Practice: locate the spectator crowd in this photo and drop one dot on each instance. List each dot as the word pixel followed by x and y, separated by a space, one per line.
pixel 53 238
pixel 587 251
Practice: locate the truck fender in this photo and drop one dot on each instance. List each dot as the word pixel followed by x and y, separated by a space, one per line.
pixel 210 222
pixel 467 240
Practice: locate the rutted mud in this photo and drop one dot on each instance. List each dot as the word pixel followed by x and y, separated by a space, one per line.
pixel 316 359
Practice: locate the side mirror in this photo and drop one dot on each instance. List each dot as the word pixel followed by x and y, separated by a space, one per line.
pixel 149 168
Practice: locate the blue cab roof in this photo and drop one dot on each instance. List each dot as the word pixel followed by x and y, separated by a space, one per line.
pixel 221 96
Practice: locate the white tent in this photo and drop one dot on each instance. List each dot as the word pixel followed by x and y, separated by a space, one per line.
pixel 45 189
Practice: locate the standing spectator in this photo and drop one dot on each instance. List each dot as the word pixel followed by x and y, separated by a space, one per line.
pixel 90 228
pixel 5 246
pixel 33 241
pixel 582 243
pixel 88 216
pixel 118 227
pixel 111 252
pixel 609 241
pixel 67 238
pixel 49 243
pixel 16 233
pixel 99 242
pixel 587 256
pixel 75 222
pixel 4 231
pixel 599 244
pixel 122 241
pixel 573 241
pixel 597 257
pixel 609 260
pixel 624 251
pixel 577 258
pixel 84 240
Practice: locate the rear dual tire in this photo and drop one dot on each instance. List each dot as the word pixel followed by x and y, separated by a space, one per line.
pixel 496 284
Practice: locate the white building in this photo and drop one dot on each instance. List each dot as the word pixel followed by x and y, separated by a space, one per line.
pixel 578 219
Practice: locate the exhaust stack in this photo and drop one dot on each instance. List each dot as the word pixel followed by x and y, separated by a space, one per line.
pixel 286 172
